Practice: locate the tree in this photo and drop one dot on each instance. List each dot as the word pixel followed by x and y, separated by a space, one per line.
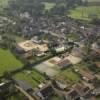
pixel 7 75
pixel 33 7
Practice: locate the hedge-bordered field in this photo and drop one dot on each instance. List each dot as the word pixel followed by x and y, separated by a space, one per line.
pixel 85 13
pixel 8 62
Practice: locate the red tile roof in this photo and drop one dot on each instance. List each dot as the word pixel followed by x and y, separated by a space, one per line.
pixel 63 63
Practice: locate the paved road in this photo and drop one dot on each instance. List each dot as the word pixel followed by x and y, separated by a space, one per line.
pixel 24 92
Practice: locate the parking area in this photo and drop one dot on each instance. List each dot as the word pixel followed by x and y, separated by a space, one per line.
pixel 48 67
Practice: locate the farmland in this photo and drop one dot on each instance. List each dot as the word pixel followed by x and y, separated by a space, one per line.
pixel 32 77
pixel 85 13
pixel 3 3
pixel 8 62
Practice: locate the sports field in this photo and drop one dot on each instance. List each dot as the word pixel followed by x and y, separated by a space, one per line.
pixel 8 62
pixel 85 13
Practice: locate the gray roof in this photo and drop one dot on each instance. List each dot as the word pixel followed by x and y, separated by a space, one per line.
pixel 24 85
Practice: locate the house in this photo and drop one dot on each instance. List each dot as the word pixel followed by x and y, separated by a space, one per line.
pixel 39 53
pixel 60 49
pixel 73 95
pixel 97 51
pixel 97 64
pixel 36 40
pixel 27 54
pixel 45 93
pixel 81 43
pixel 61 83
pixel 63 63
pixel 86 75
pixel 96 91
pixel 81 89
pixel 78 92
pixel 92 98
pixel 25 15
pixel 96 48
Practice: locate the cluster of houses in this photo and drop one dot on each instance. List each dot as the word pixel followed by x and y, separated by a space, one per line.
pixel 60 86
pixel 55 25
pixel 58 27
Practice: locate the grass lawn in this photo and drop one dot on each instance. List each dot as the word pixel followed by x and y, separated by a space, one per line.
pixel 48 6
pixel 8 62
pixel 3 3
pixel 85 12
pixel 98 98
pixel 82 65
pixel 73 37
pixel 19 39
pixel 68 73
pixel 32 78
pixel 57 98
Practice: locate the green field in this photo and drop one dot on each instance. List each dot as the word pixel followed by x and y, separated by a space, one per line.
pixel 33 78
pixel 48 6
pixel 85 13
pixel 93 0
pixel 3 3
pixel 72 76
pixel 8 62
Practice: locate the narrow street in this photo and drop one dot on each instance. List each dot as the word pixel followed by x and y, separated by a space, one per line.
pixel 24 92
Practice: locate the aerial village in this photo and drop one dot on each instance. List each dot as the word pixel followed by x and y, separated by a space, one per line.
pixel 61 57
